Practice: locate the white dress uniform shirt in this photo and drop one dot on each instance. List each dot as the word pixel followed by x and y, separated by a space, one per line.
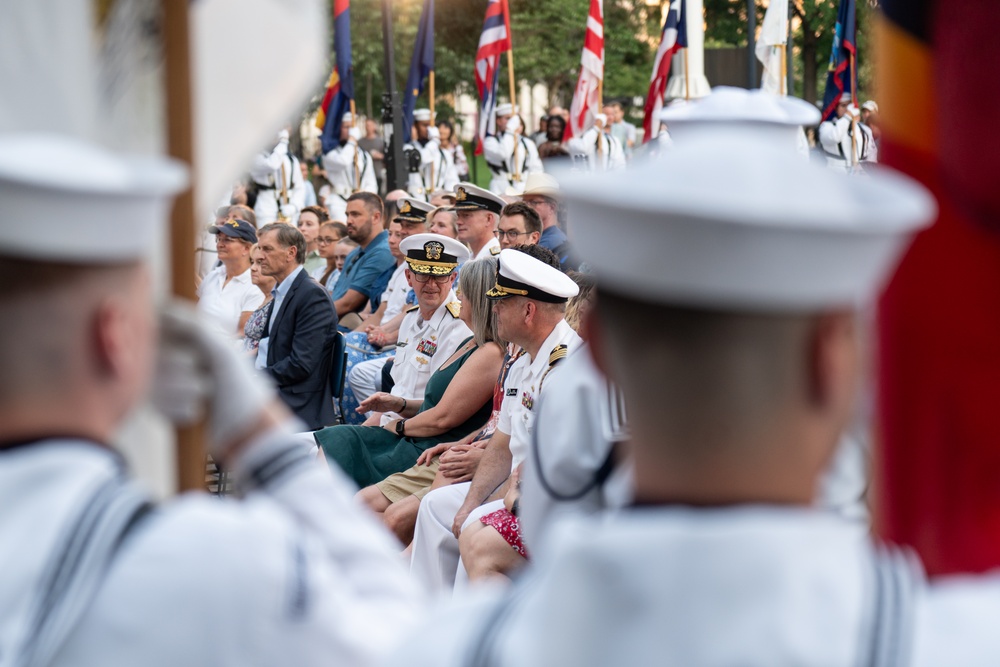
pixel 499 154
pixel 394 296
pixel 424 345
pixel 754 585
pixel 491 249
pixel 295 573
pixel 342 171
pixel 224 302
pixel 266 171
pixel 835 139
pixel 440 162
pixel 610 157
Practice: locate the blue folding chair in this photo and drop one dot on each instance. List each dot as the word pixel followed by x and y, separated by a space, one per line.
pixel 338 373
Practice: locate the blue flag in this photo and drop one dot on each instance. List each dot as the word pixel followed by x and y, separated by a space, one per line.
pixel 341 90
pixel 839 79
pixel 421 65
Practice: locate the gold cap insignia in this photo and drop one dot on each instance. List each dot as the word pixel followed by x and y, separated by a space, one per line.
pixel 404 207
pixel 433 250
pixel 461 194
pixel 232 222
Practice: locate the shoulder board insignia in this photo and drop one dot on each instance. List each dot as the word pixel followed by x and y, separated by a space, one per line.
pixel 455 308
pixel 495 250
pixel 413 308
pixel 559 353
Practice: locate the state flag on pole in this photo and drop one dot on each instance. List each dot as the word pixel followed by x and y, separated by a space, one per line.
pixel 586 98
pixel 839 78
pixel 340 87
pixel 673 39
pixel 421 65
pixel 494 42
pixel 772 41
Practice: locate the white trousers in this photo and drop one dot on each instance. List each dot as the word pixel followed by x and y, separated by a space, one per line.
pixel 435 559
pixel 366 378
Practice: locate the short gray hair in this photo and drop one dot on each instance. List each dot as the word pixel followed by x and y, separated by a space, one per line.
pixel 288 237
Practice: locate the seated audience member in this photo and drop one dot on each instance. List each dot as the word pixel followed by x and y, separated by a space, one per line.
pixel 495 545
pixel 444 221
pixel 519 225
pixel 310 220
pixel 457 398
pixel 541 192
pixel 366 262
pixel 329 237
pixel 227 295
pixel 442 198
pixel 530 301
pixel 396 499
pixel 297 344
pixel 343 248
pixel 375 337
pixel 253 330
pixel 478 212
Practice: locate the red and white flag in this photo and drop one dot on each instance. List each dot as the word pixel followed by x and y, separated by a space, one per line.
pixel 586 98
pixel 673 39
pixel 493 42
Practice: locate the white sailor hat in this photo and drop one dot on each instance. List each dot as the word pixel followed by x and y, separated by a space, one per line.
pixel 469 197
pixel 870 105
pixel 423 115
pixel 735 222
pixel 433 254
pixel 412 211
pixel 846 98
pixel 520 274
pixel 503 110
pixel 541 183
pixel 347 118
pixel 748 110
pixel 65 200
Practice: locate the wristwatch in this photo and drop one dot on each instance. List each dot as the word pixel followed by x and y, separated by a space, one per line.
pixel 399 428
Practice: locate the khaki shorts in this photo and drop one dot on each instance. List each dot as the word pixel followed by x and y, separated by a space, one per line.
pixel 413 482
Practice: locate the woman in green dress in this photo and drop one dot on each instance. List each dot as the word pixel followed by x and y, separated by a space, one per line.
pixel 458 398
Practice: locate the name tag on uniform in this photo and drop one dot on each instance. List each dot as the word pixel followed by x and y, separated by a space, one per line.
pixel 512 391
pixel 427 347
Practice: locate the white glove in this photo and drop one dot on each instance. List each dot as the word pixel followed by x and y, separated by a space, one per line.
pixel 198 369
pixel 852 111
pixel 354 134
pixel 434 134
pixel 283 137
pixel 600 120
pixel 514 124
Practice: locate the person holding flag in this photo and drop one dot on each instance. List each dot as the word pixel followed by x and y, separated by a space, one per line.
pixel 590 143
pixel 437 167
pixel 277 176
pixel 349 169
pixel 509 155
pixel 672 39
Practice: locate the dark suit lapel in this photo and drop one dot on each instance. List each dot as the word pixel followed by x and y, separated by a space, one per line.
pixel 286 302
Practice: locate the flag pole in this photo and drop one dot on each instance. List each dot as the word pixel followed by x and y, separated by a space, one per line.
pixel 430 94
pixel 190 455
pixel 513 108
pixel 784 68
pixel 357 147
pixel 687 79
pixel 854 119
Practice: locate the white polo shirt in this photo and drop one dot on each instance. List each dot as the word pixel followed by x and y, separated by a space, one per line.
pixel 223 302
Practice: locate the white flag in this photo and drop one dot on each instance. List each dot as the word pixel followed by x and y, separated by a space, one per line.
pixel 771 45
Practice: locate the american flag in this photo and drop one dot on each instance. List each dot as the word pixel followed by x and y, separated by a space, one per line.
pixel 673 39
pixel 494 41
pixel 585 99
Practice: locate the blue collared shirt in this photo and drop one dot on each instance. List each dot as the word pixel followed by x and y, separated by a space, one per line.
pixel 363 267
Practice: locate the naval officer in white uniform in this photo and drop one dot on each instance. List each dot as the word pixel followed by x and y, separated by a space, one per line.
pixel 93 573
pixel 746 298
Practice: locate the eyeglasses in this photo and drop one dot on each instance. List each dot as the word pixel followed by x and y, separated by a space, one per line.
pixel 511 234
pixel 324 240
pixel 423 277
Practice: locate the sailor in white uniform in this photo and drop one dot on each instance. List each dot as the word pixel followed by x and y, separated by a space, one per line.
pixel 745 296
pixel 596 149
pixel 349 169
pixel 437 167
pixel 281 193
pixel 508 154
pixel 840 141
pixel 94 574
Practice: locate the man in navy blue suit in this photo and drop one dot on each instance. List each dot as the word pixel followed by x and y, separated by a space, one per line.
pixel 298 344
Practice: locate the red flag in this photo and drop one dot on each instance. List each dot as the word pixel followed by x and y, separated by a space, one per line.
pixel 494 42
pixel 586 98
pixel 939 322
